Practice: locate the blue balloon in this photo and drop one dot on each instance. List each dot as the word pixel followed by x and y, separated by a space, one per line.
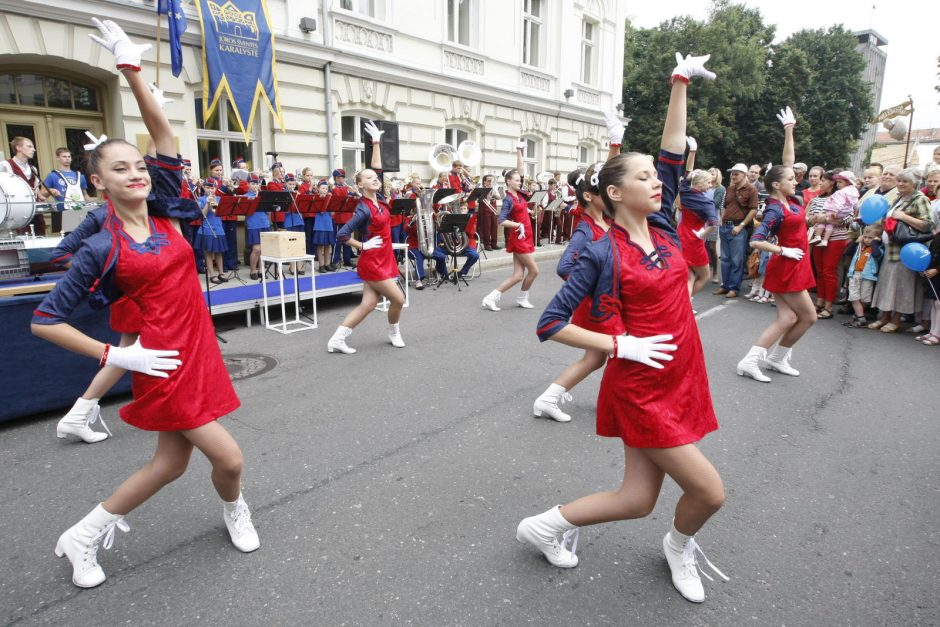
pixel 873 209
pixel 915 256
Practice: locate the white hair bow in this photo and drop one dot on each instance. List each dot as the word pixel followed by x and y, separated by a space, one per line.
pixel 95 141
pixel 596 176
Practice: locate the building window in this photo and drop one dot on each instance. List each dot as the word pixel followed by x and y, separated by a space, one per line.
pixel 532 27
pixel 584 156
pixel 370 8
pixel 219 137
pixel 35 90
pixel 455 136
pixel 351 134
pixel 588 54
pixel 458 21
pixel 530 157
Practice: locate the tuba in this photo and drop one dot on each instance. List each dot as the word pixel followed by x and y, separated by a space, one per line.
pixel 441 157
pixel 424 217
pixel 469 153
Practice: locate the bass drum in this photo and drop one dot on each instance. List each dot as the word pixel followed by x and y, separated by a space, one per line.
pixel 17 203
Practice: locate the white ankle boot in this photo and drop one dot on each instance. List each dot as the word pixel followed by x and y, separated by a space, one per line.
pixel 337 343
pixel 491 300
pixel 523 300
pixel 549 401
pixel 237 519
pixel 683 562
pixel 80 544
pixel 394 336
pixel 544 532
pixel 749 366
pixel 779 360
pixel 78 421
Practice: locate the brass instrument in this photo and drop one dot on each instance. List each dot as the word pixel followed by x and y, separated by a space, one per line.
pixel 454 244
pixel 424 218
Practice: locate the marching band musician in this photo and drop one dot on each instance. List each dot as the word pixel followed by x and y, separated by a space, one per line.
pixel 210 238
pixel 189 183
pixel 342 190
pixel 547 219
pixel 254 225
pixel 471 251
pixel 488 215
pixel 377 266
pixel 569 216
pixel 308 186
pixel 293 221
pixel 276 184
pixel 414 251
pixel 19 165
pixel 64 183
pixel 324 237
pixel 521 242
pixel 225 187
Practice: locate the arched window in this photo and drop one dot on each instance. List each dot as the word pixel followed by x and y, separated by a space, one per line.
pixel 585 155
pixel 531 156
pixel 219 137
pixel 351 136
pixel 454 136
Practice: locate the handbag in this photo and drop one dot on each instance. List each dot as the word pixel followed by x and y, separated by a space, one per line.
pixel 904 233
pixel 753 264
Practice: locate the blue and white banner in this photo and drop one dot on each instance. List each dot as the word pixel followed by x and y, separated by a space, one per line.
pixel 176 24
pixel 238 58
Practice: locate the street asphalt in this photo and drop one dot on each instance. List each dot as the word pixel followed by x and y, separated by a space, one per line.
pixel 387 485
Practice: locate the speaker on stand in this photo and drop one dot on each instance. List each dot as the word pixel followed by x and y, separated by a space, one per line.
pixel 390 159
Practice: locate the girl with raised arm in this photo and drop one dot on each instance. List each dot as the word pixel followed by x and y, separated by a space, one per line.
pixel 181 386
pixel 789 274
pixel 654 394
pixel 377 266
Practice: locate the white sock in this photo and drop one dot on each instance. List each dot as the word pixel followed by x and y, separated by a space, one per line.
pixel 678 539
pixel 229 507
pixel 393 329
pixel 523 296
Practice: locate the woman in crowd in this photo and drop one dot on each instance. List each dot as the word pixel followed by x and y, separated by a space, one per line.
pixel 788 275
pixel 654 396
pixel 830 226
pixel 140 253
pixel 521 241
pixel 377 266
pixel 717 192
pixel 898 291
pixel 592 226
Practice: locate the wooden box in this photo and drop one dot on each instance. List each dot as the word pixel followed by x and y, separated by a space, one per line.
pixel 283 244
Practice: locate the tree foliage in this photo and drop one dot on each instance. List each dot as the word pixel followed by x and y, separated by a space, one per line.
pixel 817 72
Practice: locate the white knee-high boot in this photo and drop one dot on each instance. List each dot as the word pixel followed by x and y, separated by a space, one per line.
pixel 750 365
pixel 779 360
pixel 337 343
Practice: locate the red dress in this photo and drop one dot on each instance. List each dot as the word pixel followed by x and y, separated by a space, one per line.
pixel 783 274
pixel 160 277
pixel 582 315
pixel 520 214
pixel 378 264
pixel 693 249
pixel 647 407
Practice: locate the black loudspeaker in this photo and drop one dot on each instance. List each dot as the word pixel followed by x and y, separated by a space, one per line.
pixel 390 160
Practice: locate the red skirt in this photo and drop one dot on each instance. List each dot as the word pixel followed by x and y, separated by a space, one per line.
pixel 693 249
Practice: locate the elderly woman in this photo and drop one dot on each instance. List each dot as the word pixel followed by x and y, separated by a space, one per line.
pixel 717 193
pixel 897 291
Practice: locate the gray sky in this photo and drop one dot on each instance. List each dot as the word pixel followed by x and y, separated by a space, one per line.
pixel 911 27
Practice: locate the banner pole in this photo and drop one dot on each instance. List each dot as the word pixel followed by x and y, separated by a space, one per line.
pixel 910 126
pixel 158 48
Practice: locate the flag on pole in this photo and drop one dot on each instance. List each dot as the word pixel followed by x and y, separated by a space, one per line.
pixel 176 21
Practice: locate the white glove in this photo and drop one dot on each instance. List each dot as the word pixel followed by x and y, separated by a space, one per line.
pixel 791 253
pixel 521 144
pixel 373 131
pixel 645 349
pixel 139 359
pixel 158 95
pixel 786 117
pixel 692 66
pixel 768 166
pixel 371 243
pixel 615 129
pixel 700 233
pixel 691 143
pixel 521 231
pixel 115 40
pixel 95 141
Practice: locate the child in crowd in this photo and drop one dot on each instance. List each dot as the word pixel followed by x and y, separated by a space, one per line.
pixel 210 238
pixel 324 235
pixel 255 224
pixel 863 273
pixel 293 221
pixel 839 206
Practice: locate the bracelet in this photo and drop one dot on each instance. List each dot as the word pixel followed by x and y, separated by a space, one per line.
pixel 104 356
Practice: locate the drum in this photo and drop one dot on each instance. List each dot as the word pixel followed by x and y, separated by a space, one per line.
pixel 17 203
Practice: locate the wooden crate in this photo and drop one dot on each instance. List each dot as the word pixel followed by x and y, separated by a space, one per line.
pixel 283 244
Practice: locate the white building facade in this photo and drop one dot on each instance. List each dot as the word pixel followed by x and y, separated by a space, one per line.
pixel 446 70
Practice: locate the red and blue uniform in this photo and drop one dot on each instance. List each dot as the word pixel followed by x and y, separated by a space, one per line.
pixel 584 234
pixel 698 211
pixel 642 294
pixel 373 219
pixel 783 274
pixel 516 209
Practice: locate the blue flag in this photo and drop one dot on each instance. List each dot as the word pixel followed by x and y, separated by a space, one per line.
pixel 176 20
pixel 238 58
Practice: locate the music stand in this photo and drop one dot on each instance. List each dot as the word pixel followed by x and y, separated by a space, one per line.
pixel 453 224
pixel 443 193
pixel 270 201
pixel 535 200
pixel 402 206
pixel 234 206
pixel 478 194
pixel 553 208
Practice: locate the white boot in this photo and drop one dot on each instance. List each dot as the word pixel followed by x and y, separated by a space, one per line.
pixel 394 336
pixel 680 551
pixel 78 421
pixel 237 519
pixel 491 300
pixel 779 360
pixel 544 532
pixel 337 343
pixel 80 544
pixel 523 300
pixel 549 402
pixel 749 366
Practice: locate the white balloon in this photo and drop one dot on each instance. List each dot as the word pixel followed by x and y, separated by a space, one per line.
pixel 897 129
